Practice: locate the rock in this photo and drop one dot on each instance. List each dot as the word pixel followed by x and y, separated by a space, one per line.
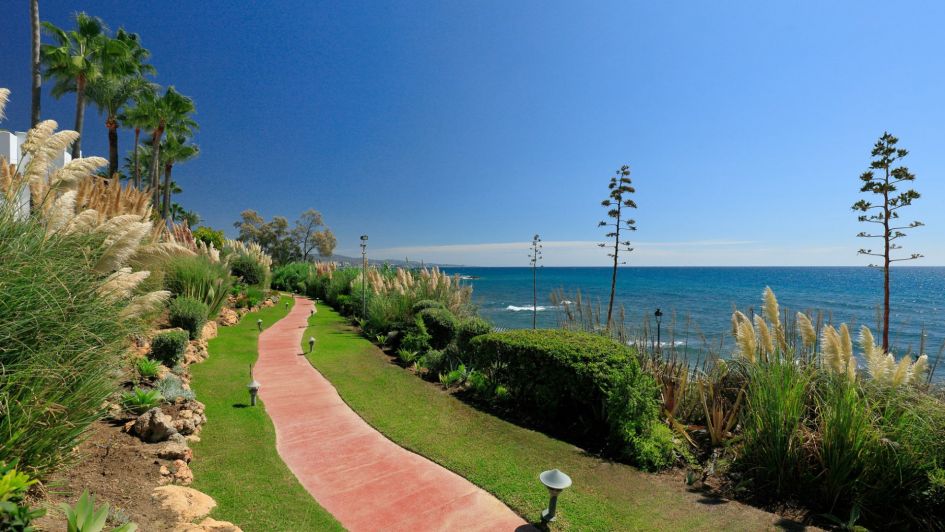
pixel 182 473
pixel 192 438
pixel 185 426
pixel 268 303
pixel 176 451
pixel 166 476
pixel 154 426
pixel 184 504
pixel 209 331
pixel 177 437
pixel 195 352
pixel 186 414
pixel 207 525
pixel 228 317
pixel 129 426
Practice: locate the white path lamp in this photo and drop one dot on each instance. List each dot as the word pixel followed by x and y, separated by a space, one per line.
pixel 556 482
pixel 259 324
pixel 253 388
pixel 311 344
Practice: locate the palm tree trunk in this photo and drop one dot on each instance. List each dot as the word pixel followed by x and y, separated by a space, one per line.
pixel 166 210
pixel 155 175
pixel 137 169
pixel 35 63
pixel 79 115
pixel 112 124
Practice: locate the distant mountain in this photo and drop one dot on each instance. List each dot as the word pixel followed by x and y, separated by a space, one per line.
pixel 356 261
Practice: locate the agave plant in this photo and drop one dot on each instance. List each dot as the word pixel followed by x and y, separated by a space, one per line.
pixel 84 517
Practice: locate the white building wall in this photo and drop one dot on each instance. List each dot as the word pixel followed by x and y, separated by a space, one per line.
pixel 10 144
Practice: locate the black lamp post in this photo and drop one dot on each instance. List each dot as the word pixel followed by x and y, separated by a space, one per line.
pixel 659 317
pixel 364 240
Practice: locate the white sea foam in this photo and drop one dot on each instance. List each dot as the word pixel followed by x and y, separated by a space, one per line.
pixel 529 308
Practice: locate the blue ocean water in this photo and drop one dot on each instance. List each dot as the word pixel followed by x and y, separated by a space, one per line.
pixel 701 299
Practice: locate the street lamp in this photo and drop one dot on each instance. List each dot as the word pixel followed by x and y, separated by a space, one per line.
pixel 659 316
pixel 364 239
pixel 311 344
pixel 259 324
pixel 253 387
pixel 556 482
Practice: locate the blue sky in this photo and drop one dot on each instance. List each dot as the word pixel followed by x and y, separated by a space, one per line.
pixel 453 131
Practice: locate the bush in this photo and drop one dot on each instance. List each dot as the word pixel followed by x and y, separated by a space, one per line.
pixel 633 412
pixel 297 277
pixel 417 339
pixel 61 343
pixel 249 270
pixel 14 512
pixel 172 389
pixel 198 278
pixel 168 347
pixel 147 368
pixel 188 314
pixel 468 329
pixel 564 375
pixel 208 236
pixel 139 401
pixel 424 304
pixel 440 324
pixel 435 361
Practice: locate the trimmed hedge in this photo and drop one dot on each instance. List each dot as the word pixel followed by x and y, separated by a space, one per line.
pixel 424 304
pixel 569 377
pixel 468 329
pixel 441 324
pixel 168 347
pixel 188 314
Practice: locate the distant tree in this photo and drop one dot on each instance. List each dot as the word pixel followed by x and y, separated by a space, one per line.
pixel 534 259
pixel 309 237
pixel 210 236
pixel 136 117
pixel 174 149
pixel 620 189
pixel 168 113
pixel 886 211
pixel 36 70
pixel 273 236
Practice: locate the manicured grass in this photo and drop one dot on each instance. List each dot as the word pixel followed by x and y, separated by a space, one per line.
pixel 236 461
pixel 503 458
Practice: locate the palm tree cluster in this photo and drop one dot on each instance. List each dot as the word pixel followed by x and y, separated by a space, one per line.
pixel 112 71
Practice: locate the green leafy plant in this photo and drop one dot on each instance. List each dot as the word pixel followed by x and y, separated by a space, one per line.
pixel 139 401
pixel 172 389
pixel 147 368
pixel 440 324
pixel 199 278
pixel 406 356
pixel 188 314
pixel 417 339
pixel 15 515
pixel 209 236
pixel 248 269
pixel 168 347
pixel 84 517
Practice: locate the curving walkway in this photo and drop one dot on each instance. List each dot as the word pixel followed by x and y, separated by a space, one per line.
pixel 366 481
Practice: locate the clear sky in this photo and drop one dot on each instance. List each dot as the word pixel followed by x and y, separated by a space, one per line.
pixel 453 131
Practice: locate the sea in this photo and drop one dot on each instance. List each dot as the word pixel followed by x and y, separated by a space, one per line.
pixel 697 302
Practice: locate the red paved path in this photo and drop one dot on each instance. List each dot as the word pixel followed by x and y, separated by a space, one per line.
pixel 366 481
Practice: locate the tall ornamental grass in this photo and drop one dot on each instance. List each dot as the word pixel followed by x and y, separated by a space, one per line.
pixel 61 342
pixel 198 278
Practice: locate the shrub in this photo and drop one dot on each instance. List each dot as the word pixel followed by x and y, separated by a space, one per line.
pixel 61 343
pixel 468 329
pixel 633 412
pixel 654 451
pixel 424 304
pixel 147 368
pixel 563 375
pixel 188 314
pixel 248 269
pixel 440 324
pixel 139 401
pixel 208 236
pixel 417 339
pixel 479 384
pixel 172 389
pixel 406 356
pixel 169 347
pixel 14 513
pixel 435 360
pixel 198 278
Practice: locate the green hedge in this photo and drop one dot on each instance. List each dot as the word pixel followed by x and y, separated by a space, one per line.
pixel 564 379
pixel 188 314
pixel 424 304
pixel 168 347
pixel 441 324
pixel 468 329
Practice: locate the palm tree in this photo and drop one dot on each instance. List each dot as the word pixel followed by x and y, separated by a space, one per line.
pixel 136 118
pixel 169 113
pixel 35 62
pixel 121 81
pixel 174 150
pixel 74 60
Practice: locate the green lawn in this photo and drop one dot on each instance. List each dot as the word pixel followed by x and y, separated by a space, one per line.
pixel 236 461
pixel 503 458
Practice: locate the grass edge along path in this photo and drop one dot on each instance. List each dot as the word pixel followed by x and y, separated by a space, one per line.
pixel 236 461
pixel 503 458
